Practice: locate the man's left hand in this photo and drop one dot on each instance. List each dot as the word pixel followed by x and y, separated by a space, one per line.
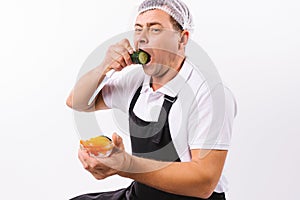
pixel 101 168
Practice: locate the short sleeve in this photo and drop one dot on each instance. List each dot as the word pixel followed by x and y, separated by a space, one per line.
pixel 119 90
pixel 209 124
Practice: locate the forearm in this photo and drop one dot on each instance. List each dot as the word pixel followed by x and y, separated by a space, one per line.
pixel 183 178
pixel 85 87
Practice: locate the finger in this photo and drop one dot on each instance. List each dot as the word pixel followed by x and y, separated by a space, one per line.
pixel 99 176
pixel 125 52
pixel 125 43
pixel 118 141
pixel 85 157
pixel 85 166
pixel 116 66
pixel 82 160
pixel 81 155
pixel 124 55
pixel 115 139
pixel 84 152
pixel 128 50
pixel 102 174
pixel 117 57
pixel 127 58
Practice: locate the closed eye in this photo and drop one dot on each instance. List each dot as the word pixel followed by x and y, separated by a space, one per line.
pixel 155 30
pixel 138 29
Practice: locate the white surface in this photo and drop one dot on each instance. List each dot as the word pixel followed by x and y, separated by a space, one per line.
pixel 255 46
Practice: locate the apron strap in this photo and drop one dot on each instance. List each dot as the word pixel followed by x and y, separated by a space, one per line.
pixel 164 115
pixel 135 97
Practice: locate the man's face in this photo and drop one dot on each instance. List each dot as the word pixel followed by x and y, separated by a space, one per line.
pixel 154 33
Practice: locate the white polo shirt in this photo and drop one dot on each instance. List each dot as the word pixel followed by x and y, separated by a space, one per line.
pixel 191 115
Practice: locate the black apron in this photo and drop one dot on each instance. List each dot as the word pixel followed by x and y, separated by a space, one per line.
pixel 148 140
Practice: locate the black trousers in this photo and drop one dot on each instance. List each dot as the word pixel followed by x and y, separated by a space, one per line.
pixel 130 193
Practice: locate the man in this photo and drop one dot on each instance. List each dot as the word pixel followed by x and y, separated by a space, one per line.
pixel 170 158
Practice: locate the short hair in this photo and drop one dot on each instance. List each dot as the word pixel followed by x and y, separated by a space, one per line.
pixel 175 24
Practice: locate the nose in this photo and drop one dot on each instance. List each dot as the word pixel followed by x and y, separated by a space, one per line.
pixel 143 38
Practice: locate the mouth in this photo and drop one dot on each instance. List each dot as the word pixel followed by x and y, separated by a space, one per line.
pixel 140 57
pixel 145 56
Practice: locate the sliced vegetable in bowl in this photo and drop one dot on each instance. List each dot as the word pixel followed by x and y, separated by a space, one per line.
pixel 100 146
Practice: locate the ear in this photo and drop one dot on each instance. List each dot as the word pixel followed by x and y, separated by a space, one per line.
pixel 184 37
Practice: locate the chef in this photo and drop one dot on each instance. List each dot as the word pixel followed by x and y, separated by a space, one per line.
pixel 171 112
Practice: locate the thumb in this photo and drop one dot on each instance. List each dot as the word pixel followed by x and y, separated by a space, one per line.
pixel 118 141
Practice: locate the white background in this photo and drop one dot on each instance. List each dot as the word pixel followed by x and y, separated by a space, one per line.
pixel 43 44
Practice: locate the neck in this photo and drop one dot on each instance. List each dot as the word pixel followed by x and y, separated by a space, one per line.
pixel 159 81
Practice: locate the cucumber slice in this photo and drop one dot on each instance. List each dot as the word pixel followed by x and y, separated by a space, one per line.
pixel 140 57
pixel 143 57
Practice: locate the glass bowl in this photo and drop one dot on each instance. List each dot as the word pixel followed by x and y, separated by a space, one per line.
pixel 98 147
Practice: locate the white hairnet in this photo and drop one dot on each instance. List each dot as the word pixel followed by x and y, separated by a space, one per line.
pixel 175 8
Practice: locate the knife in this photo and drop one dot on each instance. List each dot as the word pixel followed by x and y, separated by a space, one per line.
pixel 138 57
pixel 108 75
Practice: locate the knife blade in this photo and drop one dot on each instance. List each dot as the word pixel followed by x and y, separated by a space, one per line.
pixel 108 75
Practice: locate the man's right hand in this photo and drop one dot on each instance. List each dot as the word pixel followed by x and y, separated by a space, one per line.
pixel 118 56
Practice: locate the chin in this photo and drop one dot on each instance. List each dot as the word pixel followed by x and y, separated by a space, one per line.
pixel 150 69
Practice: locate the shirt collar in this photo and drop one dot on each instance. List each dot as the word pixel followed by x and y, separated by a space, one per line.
pixel 172 87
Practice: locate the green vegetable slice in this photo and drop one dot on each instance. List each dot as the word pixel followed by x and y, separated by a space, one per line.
pixel 140 57
pixel 143 57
